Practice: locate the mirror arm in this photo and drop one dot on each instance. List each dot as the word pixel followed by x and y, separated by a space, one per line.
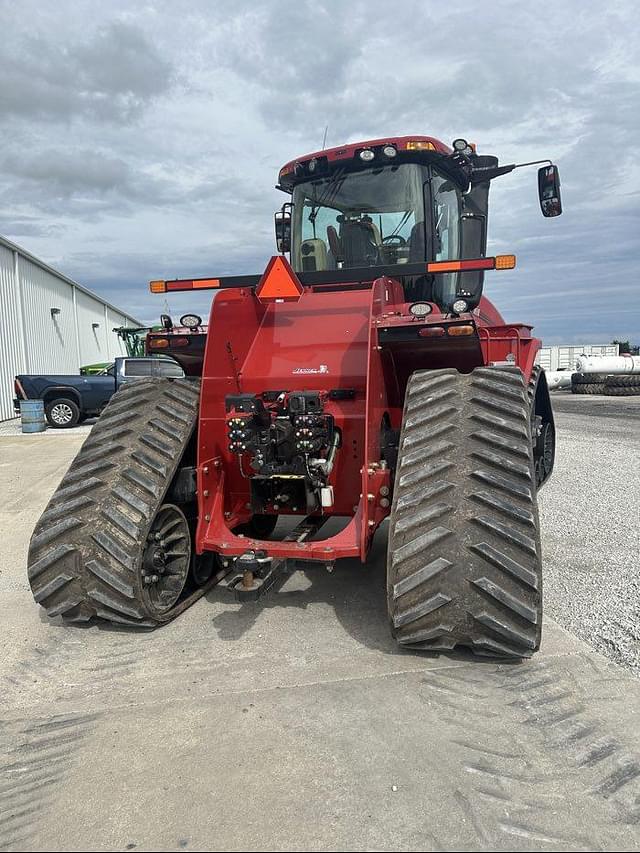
pixel 488 173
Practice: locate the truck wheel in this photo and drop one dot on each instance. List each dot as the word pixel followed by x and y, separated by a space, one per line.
pixel 464 565
pixel 108 544
pixel 62 413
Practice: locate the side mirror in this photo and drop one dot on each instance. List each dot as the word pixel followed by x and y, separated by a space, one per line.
pixel 282 220
pixel 549 191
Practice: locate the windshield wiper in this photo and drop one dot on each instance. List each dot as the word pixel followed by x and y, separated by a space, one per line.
pixel 327 195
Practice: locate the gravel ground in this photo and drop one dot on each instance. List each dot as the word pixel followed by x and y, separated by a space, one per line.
pixel 590 532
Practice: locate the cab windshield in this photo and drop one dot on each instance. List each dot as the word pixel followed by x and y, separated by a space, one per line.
pixel 369 218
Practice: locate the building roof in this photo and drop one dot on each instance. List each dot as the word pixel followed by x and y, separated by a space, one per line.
pixel 13 247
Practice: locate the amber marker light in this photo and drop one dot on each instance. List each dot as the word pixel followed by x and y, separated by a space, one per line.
pixel 505 262
pixel 458 331
pixel 431 332
pixel 158 286
pixel 500 262
pixel 419 145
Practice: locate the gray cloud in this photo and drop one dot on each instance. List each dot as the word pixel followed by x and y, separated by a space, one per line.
pixel 109 76
pixel 144 141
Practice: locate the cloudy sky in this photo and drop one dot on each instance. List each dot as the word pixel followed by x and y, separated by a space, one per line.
pixel 143 140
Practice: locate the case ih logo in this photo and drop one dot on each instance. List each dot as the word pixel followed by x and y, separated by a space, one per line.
pixel 322 369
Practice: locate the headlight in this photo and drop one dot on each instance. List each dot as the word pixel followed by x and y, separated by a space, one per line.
pixel 367 155
pixel 191 321
pixel 420 309
pixel 460 306
pixel 389 151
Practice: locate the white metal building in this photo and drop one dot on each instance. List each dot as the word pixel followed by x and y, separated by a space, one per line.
pixel 49 323
pixel 564 357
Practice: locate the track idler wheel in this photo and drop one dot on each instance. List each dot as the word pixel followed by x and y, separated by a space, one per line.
pixel 166 559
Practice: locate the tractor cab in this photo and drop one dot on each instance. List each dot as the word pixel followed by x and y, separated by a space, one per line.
pixel 393 206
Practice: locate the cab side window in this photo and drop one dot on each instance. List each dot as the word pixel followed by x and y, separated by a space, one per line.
pixel 446 205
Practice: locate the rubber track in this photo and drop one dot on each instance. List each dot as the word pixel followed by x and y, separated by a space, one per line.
pixel 86 549
pixel 464 564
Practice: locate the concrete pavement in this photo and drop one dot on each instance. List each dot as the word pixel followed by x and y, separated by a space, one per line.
pixel 295 723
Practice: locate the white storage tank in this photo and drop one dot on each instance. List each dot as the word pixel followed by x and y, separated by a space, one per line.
pixel 608 364
pixel 564 357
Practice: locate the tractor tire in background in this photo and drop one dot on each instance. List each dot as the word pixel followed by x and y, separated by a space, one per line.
pixel 464 564
pixel 588 388
pixel 622 390
pixel 587 378
pixel 629 382
pixel 107 531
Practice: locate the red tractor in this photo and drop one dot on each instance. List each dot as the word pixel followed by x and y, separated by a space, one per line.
pixel 185 342
pixel 365 378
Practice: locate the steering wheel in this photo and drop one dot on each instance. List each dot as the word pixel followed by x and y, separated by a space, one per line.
pixel 395 238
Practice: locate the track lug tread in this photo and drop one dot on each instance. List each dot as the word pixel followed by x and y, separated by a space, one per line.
pixel 66 507
pixel 508 508
pixel 133 501
pixel 79 567
pixel 506 564
pixel 156 444
pixel 55 531
pixel 446 585
pixel 156 466
pixel 509 601
pixel 76 489
pixel 113 548
pixel 142 480
pixel 111 578
pixel 64 606
pixel 403 617
pixel 84 471
pixel 57 583
pixel 122 522
pixel 421 517
pixel 166 428
pixel 410 500
pixel 421 575
pixel 49 559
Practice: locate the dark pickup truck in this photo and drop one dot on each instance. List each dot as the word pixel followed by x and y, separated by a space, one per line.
pixel 70 399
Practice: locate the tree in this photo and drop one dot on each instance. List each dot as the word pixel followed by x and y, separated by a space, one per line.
pixel 627 347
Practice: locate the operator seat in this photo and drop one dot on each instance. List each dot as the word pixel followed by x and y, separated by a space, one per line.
pixel 417 244
pixel 359 245
pixel 335 245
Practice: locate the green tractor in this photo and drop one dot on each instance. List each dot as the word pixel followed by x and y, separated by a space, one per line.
pixel 134 340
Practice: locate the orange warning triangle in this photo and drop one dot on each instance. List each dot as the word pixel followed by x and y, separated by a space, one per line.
pixel 279 282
